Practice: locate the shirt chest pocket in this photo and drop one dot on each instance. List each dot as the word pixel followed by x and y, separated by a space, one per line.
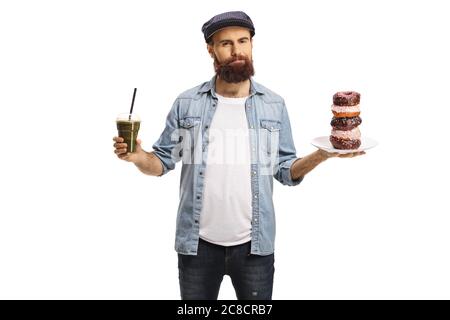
pixel 189 130
pixel 269 135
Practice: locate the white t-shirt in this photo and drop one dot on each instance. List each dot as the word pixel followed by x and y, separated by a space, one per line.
pixel 226 214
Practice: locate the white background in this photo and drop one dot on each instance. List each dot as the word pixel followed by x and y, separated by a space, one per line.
pixel 78 223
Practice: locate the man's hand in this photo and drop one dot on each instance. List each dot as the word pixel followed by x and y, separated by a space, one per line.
pixel 121 150
pixel 327 155
pixel 146 162
pixel 302 166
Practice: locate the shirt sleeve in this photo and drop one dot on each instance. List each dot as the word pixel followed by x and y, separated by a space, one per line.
pixel 286 152
pixel 167 143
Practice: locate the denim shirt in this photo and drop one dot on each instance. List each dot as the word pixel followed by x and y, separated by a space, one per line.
pixel 185 138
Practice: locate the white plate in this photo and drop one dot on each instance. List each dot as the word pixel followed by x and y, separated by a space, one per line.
pixel 325 144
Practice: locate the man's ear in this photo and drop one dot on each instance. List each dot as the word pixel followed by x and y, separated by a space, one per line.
pixel 210 50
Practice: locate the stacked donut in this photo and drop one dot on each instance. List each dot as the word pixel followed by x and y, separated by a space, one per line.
pixel 345 133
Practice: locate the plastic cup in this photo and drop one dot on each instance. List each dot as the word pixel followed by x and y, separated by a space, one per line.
pixel 128 129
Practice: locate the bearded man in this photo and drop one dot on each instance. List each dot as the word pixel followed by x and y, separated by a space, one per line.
pixel 233 136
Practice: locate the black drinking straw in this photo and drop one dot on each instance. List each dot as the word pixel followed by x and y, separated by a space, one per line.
pixel 132 104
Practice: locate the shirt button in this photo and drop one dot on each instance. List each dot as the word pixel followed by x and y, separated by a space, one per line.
pixel 256 196
pixel 254 172
pixel 198 197
pixel 251 127
pixel 256 219
pixel 206 127
pixel 201 173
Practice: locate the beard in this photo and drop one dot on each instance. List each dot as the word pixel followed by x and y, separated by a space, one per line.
pixel 234 73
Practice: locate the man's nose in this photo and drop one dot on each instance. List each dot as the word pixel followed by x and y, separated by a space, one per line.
pixel 236 50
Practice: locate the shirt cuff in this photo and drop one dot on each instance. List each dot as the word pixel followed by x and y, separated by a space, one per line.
pixel 286 173
pixel 165 170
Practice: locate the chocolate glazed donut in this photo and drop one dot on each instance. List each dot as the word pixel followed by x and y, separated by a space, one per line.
pixel 344 144
pixel 345 123
pixel 346 98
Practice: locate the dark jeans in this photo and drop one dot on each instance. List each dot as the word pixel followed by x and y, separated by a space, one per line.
pixel 201 275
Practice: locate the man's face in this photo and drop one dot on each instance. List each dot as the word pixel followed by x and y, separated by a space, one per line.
pixel 232 53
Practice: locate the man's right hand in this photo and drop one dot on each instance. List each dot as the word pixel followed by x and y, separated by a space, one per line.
pixel 121 150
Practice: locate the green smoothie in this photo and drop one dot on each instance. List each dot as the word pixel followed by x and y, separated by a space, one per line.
pixel 128 129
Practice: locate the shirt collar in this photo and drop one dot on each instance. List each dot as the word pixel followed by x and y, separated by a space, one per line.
pixel 210 86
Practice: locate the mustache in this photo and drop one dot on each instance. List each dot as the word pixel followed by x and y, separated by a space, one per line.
pixel 235 58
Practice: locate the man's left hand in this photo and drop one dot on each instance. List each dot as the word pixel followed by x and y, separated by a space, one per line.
pixel 340 155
